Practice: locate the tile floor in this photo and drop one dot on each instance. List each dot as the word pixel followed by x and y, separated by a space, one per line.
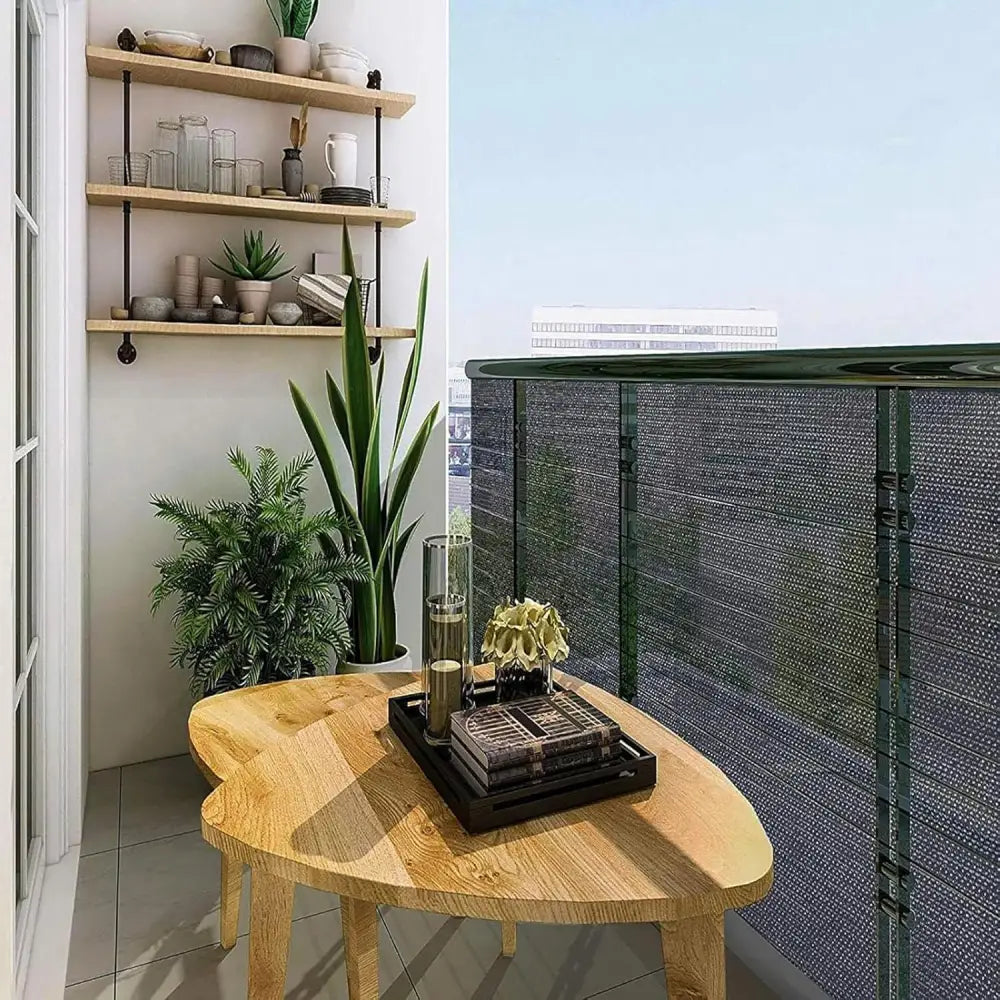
pixel 146 925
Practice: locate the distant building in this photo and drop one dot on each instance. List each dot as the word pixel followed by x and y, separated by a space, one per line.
pixel 569 331
pixel 459 438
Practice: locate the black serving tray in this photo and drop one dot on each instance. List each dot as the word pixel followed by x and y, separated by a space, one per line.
pixel 479 811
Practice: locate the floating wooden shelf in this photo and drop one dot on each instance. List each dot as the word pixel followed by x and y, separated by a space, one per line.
pixel 166 200
pixel 121 326
pixel 214 79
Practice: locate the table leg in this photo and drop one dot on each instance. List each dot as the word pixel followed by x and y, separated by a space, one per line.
pixel 229 900
pixel 694 954
pixel 270 928
pixel 508 938
pixel 360 922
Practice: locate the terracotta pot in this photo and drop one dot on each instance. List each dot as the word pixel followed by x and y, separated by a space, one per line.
pixel 253 297
pixel 292 56
pixel 400 663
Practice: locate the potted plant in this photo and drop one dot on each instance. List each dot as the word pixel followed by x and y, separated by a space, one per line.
pixel 523 640
pixel 373 504
pixel 254 273
pixel 294 18
pixel 261 598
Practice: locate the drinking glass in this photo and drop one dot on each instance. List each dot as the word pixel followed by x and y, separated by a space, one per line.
pixel 446 669
pixel 168 139
pixel 248 172
pixel 193 153
pixel 380 191
pixel 161 168
pixel 223 144
pixel 135 172
pixel 224 176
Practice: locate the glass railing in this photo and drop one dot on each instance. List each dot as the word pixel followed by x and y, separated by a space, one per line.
pixel 792 559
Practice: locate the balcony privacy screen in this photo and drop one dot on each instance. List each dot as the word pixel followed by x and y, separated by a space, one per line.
pixel 725 554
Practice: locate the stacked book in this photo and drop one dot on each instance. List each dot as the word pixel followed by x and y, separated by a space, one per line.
pixel 513 743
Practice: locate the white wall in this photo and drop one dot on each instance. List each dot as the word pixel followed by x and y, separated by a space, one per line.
pixel 164 424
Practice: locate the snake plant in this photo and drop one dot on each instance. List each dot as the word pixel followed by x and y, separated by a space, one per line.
pixel 372 504
pixel 257 264
pixel 293 18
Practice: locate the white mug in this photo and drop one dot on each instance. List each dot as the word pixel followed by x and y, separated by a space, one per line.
pixel 344 168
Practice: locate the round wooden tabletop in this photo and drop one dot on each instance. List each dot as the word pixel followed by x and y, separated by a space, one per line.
pixel 341 806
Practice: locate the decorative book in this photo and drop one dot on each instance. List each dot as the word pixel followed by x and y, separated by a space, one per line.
pixel 511 733
pixel 519 774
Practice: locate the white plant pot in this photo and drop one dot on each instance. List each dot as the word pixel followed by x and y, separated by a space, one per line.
pixel 401 663
pixel 293 56
pixel 253 297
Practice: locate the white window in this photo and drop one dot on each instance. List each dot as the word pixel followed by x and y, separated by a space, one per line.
pixel 28 656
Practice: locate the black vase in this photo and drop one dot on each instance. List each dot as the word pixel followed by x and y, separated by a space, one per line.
pixel 291 172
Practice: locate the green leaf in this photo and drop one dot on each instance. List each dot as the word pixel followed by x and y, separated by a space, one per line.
pixel 339 410
pixel 356 372
pixel 408 467
pixel 412 368
pixel 399 547
pixel 369 500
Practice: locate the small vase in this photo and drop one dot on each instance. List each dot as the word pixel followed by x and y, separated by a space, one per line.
pixel 253 297
pixel 291 172
pixel 292 56
pixel 514 681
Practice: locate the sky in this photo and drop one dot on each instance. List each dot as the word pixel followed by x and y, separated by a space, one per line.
pixel 839 163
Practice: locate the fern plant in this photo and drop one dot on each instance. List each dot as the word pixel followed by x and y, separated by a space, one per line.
pixel 293 18
pixel 261 597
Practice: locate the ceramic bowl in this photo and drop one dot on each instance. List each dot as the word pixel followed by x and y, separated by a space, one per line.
pixel 191 315
pixel 284 313
pixel 153 308
pixel 173 36
pixel 347 77
pixel 220 314
pixel 341 60
pixel 252 57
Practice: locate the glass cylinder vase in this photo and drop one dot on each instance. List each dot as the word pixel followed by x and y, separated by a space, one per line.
pixel 193 154
pixel 446 668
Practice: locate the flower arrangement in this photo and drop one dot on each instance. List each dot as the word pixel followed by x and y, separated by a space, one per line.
pixel 524 639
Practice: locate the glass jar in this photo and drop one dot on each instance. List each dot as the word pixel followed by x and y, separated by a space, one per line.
pixel 193 153
pixel 446 669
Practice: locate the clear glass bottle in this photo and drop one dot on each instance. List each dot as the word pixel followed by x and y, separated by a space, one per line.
pixel 194 153
pixel 446 667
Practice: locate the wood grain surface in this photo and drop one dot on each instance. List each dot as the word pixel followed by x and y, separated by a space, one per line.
pixel 120 326
pixel 341 806
pixel 228 729
pixel 237 82
pixel 165 200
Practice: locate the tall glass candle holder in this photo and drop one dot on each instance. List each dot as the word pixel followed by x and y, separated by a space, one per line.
pixel 446 667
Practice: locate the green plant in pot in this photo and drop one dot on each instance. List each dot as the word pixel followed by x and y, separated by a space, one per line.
pixel 293 18
pixel 260 598
pixel 254 272
pixel 372 504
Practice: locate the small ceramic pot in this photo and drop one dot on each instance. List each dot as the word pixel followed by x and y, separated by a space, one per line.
pixel 291 172
pixel 253 297
pixel 155 308
pixel 292 56
pixel 252 57
pixel 285 313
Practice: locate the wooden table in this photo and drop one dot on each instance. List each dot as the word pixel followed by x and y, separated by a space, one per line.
pixel 341 806
pixel 226 730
